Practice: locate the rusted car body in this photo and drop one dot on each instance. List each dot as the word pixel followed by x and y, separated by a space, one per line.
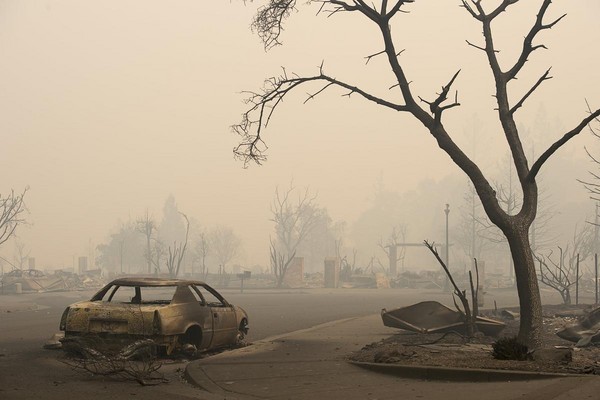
pixel 172 312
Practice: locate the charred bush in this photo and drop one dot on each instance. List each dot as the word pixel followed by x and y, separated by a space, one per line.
pixel 509 349
pixel 136 361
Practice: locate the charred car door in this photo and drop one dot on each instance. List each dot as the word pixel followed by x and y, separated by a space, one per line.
pixel 224 318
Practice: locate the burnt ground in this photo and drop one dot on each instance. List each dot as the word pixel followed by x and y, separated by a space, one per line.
pixel 453 350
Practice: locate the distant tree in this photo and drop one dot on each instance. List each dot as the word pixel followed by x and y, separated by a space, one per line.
pixel 159 251
pixel 225 245
pixel 385 210
pixel 12 210
pixel 21 255
pixel 592 183
pixel 177 252
pixel 201 251
pixel 515 227
pixel 280 263
pixel 123 253
pixel 172 227
pixel 471 232
pixel 146 226
pixel 390 246
pixel 321 242
pixel 296 216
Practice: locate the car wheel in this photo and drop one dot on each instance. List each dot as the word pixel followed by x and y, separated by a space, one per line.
pixel 242 331
pixel 191 340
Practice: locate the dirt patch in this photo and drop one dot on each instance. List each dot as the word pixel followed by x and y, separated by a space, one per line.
pixel 454 350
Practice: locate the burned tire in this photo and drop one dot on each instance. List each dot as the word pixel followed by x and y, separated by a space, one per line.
pixel 191 340
pixel 242 331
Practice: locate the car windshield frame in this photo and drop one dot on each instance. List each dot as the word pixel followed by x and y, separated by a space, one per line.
pixel 197 288
pixel 180 295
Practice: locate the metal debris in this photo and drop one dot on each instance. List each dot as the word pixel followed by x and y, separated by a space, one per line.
pixel 433 317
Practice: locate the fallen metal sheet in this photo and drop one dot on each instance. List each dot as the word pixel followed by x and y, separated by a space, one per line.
pixel 586 331
pixel 509 315
pixel 32 281
pixel 433 317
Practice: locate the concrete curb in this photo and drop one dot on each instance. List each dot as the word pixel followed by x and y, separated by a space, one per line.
pixel 460 374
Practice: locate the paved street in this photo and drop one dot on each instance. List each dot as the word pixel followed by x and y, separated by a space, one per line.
pixel 27 321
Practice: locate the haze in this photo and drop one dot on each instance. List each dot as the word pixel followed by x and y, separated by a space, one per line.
pixel 108 107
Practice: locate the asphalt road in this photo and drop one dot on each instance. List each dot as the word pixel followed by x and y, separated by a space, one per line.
pixel 27 321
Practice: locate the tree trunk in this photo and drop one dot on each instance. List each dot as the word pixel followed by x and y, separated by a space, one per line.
pixel 149 255
pixel 530 329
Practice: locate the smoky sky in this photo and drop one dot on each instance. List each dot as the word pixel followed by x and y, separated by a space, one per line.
pixel 109 107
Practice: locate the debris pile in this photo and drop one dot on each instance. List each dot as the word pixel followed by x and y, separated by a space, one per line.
pixel 585 332
pixel 434 317
pixel 34 280
pixel 136 361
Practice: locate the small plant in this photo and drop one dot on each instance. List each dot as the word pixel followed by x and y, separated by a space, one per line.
pixel 509 349
pixel 470 314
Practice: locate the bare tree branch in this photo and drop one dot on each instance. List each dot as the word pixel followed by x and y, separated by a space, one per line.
pixel 252 147
pixel 528 46
pixel 268 22
pixel 559 143
pixel 543 78
pixel 12 208
pixel 435 106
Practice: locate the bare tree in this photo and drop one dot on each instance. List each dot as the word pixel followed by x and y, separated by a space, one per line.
pixel 123 250
pixel 21 255
pixel 280 263
pixel 429 113
pixel 296 215
pixel 561 273
pixel 12 210
pixel 470 235
pixel 347 268
pixel 392 243
pixel 225 245
pixel 177 252
pixel 201 251
pixel 147 226
pixel 294 218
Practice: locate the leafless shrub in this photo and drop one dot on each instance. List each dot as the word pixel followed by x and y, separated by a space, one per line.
pixel 561 272
pixel 558 274
pixel 135 362
pixel 470 314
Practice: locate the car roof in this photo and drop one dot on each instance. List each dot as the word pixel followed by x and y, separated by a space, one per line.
pixel 147 281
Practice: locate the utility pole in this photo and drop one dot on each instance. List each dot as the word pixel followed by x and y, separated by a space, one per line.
pixel 121 245
pixel 596 230
pixel 473 224
pixel 447 211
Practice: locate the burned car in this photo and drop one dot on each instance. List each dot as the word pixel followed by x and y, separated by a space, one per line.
pixel 174 313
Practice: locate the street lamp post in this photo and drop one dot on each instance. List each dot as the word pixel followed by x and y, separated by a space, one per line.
pixel 447 211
